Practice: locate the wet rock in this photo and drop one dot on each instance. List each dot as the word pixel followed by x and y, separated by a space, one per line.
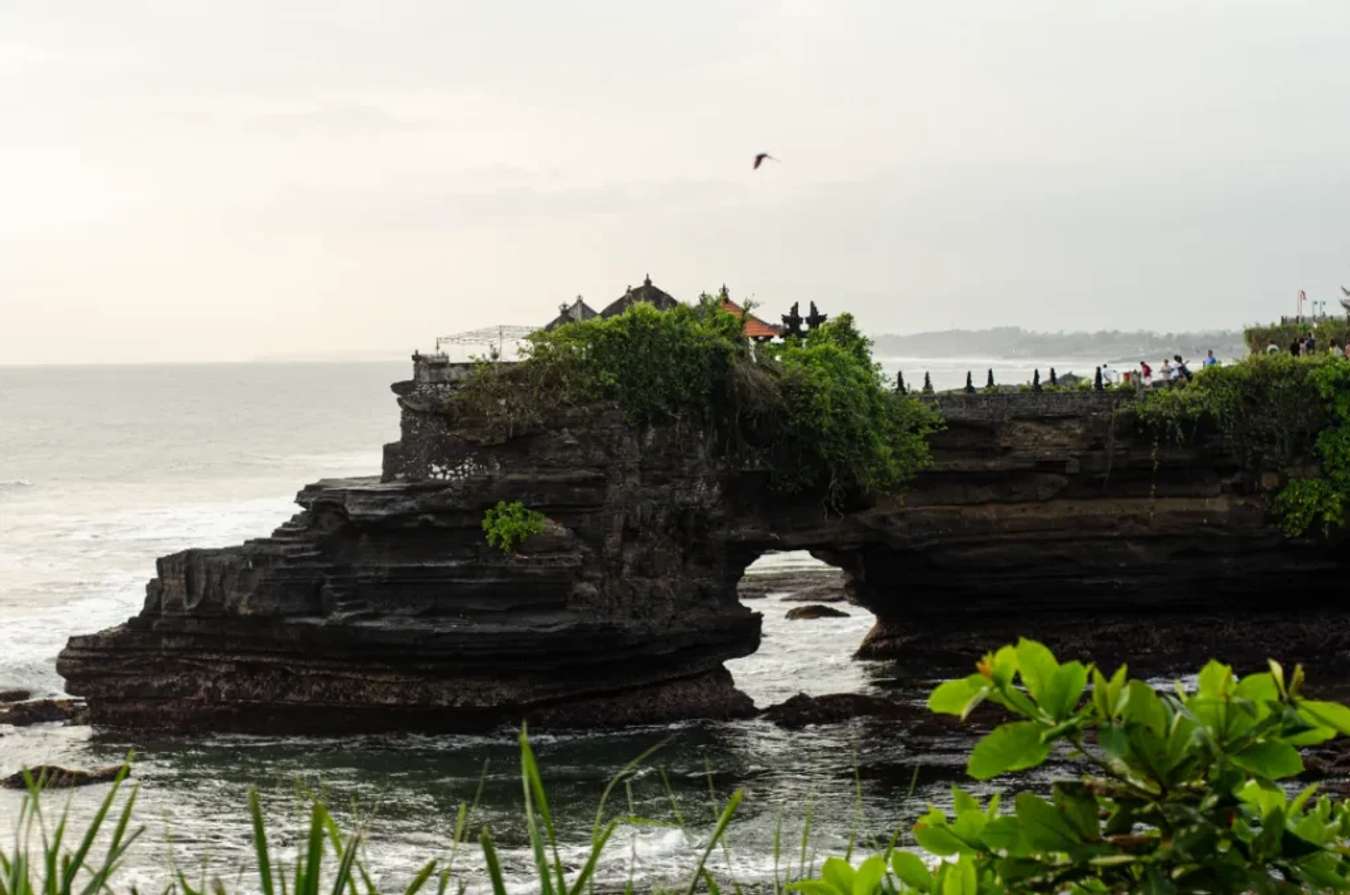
pixel 16 695
pixel 801 710
pixel 53 777
pixel 380 606
pixel 814 610
pixel 795 585
pixel 42 711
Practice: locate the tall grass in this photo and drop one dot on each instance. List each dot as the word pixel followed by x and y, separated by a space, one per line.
pixel 330 861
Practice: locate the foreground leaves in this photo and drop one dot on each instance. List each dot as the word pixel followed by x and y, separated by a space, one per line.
pixel 1182 790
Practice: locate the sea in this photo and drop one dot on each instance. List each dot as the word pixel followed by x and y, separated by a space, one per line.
pixel 105 468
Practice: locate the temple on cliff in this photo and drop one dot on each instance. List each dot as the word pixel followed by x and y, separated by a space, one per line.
pixel 755 328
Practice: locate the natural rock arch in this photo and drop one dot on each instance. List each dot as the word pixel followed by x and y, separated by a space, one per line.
pixel 380 606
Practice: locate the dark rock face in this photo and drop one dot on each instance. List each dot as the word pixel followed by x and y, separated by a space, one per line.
pixel 814 610
pixel 380 606
pixel 43 711
pixel 15 695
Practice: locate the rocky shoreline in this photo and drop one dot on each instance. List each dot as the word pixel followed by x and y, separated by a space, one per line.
pixel 381 607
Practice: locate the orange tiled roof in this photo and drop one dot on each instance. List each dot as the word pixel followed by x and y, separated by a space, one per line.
pixel 754 327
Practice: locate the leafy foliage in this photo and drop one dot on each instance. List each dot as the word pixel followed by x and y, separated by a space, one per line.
pixel 1186 791
pixel 1279 413
pixel 843 432
pixel 815 413
pixel 508 525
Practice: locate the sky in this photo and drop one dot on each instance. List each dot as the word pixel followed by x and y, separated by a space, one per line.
pixel 187 180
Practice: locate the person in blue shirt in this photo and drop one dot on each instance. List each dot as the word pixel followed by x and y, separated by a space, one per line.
pixel 1210 360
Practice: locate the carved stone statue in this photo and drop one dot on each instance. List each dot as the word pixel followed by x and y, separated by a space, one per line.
pixel 815 318
pixel 792 322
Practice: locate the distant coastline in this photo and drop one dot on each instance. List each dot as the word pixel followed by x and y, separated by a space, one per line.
pixel 1015 342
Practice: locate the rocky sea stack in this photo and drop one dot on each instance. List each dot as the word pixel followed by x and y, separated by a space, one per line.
pixel 381 605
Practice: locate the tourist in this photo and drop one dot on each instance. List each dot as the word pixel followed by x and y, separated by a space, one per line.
pixel 1272 348
pixel 1311 346
pixel 1182 371
pixel 1168 374
pixel 1335 349
pixel 1109 374
pixel 1146 372
pixel 1296 347
pixel 1347 348
pixel 1210 360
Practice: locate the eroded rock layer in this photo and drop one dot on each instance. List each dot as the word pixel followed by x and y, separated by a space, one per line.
pixel 380 605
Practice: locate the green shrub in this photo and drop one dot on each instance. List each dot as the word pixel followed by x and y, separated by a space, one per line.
pixel 1278 413
pixel 508 525
pixel 842 432
pixel 814 412
pixel 1185 791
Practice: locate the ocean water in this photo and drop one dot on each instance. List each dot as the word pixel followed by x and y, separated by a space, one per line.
pixel 103 469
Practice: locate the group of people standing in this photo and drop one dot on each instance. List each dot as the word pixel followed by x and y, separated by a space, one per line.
pixel 1173 370
pixel 1306 346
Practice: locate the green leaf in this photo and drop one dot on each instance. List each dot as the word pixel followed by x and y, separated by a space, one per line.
pixel 1037 665
pixel 1009 747
pixel 1270 759
pixel 961 878
pixel 839 874
pixel 963 801
pixel 939 840
pixel 1214 679
pixel 1080 809
pixel 1327 714
pixel 952 697
pixel 1100 695
pixel 911 870
pixel 814 887
pixel 867 878
pixel 1064 690
pixel 1044 827
pixel 1003 834
pixel 1277 674
pixel 1143 707
pixel 1258 688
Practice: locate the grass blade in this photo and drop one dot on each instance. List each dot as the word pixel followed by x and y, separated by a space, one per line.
pixel 493 865
pixel 732 804
pixel 623 773
pixel 260 842
pixel 533 783
pixel 77 860
pixel 308 864
pixel 597 847
pixel 421 878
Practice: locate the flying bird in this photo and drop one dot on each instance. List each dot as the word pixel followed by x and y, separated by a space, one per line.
pixel 759 160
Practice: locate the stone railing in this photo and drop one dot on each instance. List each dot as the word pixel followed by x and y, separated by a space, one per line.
pixel 438 369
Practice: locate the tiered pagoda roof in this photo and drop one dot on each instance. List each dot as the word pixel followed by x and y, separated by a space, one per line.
pixel 573 313
pixel 662 301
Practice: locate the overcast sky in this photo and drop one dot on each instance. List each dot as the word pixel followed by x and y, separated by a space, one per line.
pixel 220 181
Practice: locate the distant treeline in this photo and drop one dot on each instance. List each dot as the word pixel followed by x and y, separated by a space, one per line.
pixel 1015 342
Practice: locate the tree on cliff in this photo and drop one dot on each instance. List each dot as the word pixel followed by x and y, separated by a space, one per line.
pixel 816 412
